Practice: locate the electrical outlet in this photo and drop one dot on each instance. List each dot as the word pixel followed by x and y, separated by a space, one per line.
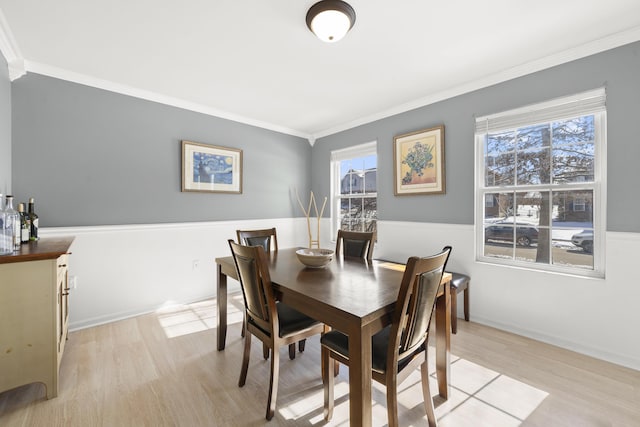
pixel 196 264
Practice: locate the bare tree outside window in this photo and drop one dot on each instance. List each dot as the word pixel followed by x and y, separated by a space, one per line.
pixel 544 174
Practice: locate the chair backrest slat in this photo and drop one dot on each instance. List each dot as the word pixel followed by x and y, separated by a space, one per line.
pixel 355 244
pixel 253 274
pixel 416 302
pixel 266 238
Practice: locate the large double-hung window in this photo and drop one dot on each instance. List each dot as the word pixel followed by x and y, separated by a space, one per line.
pixel 540 200
pixel 354 188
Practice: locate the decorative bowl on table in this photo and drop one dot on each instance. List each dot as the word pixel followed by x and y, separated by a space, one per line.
pixel 315 258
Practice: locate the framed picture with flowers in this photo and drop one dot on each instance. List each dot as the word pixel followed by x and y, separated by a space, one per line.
pixel 418 162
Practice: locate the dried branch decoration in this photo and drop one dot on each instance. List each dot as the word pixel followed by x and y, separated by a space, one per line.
pixel 307 213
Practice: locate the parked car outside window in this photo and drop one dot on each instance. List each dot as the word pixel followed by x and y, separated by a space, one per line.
pixel 584 239
pixel 525 234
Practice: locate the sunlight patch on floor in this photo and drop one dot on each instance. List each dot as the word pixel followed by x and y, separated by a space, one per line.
pixel 183 319
pixel 485 397
pixel 477 396
pixel 310 402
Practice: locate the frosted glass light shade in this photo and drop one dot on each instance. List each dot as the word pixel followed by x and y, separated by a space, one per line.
pixel 330 20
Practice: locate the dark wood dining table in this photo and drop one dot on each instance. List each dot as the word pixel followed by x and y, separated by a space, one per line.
pixel 354 296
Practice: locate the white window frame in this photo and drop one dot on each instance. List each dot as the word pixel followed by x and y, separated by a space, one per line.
pixel 337 156
pixel 582 104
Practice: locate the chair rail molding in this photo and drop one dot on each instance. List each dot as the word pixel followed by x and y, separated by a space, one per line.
pixel 554 308
pixel 121 271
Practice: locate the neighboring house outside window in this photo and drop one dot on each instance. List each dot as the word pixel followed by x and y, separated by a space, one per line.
pixel 540 172
pixel 354 189
pixel 579 204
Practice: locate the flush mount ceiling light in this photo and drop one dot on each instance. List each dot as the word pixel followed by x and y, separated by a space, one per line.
pixel 330 20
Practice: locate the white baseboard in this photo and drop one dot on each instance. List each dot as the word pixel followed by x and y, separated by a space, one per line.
pixel 589 350
pixel 562 310
pixel 124 271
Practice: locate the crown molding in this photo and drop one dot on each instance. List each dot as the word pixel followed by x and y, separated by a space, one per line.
pixel 71 76
pixel 587 49
pixel 18 67
pixel 10 50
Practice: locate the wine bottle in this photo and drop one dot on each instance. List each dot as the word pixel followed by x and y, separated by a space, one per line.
pixel 5 233
pixel 25 224
pixel 12 222
pixel 34 220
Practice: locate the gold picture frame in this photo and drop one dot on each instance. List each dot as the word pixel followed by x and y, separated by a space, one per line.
pixel 211 169
pixel 418 162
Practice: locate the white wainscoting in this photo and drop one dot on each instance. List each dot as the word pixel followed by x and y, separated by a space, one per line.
pixel 123 271
pixel 598 317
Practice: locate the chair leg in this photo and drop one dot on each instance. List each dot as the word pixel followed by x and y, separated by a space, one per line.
pixel 454 312
pixel 245 360
pixel 426 393
pixel 301 345
pixel 327 381
pixel 336 364
pixel 265 351
pixel 292 351
pixel 273 383
pixel 466 303
pixel 392 399
pixel 244 323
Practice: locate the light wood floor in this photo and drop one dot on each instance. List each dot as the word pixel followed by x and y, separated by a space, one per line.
pixel 162 369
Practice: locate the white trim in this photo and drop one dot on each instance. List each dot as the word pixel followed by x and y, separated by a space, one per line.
pixel 93 229
pixel 116 317
pixel 623 236
pixel 10 50
pixel 587 49
pixel 580 104
pixel 18 66
pixel 337 156
pixel 589 350
pixel 120 268
pixel 59 73
pixel 121 271
pixel 555 308
pixel 360 150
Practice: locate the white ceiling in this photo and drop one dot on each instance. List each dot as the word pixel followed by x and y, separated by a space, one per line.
pixel 256 62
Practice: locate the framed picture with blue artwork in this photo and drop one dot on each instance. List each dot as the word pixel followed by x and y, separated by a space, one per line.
pixel 211 169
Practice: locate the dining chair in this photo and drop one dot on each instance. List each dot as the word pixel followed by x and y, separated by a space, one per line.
pixel 398 349
pixel 355 244
pixel 272 322
pixel 459 283
pixel 264 238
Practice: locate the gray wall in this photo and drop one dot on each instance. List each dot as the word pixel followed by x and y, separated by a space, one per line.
pixel 94 157
pixel 5 127
pixel 618 70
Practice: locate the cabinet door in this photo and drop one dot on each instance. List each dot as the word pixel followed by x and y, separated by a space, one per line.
pixel 62 312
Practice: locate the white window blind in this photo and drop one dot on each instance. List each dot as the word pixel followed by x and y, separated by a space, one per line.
pixel 584 103
pixel 352 152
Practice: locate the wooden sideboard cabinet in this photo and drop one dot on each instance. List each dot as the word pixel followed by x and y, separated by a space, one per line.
pixel 34 313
